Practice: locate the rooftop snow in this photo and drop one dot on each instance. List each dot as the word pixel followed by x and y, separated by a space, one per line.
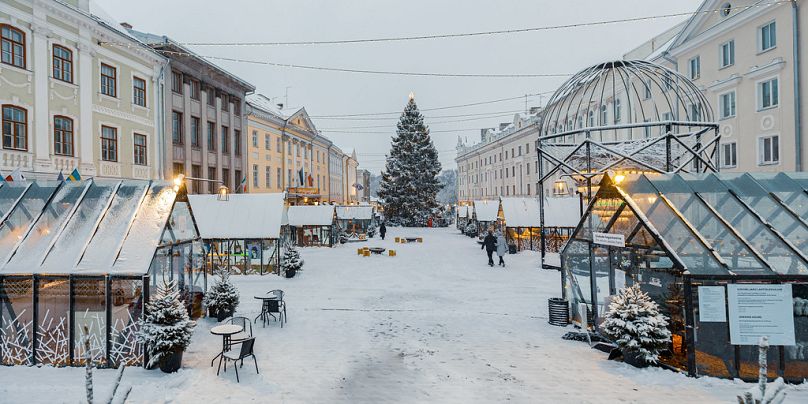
pixel 355 212
pixel 486 211
pixel 462 211
pixel 243 216
pixel 521 212
pixel 562 212
pixel 320 215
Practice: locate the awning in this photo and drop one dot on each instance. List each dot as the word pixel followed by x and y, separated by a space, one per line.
pixel 486 211
pixel 521 212
pixel 317 215
pixel 243 216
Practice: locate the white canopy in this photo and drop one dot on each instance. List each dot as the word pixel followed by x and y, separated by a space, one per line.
pixel 242 216
pixel 486 211
pixel 462 211
pixel 562 212
pixel 521 212
pixel 319 215
pixel 355 212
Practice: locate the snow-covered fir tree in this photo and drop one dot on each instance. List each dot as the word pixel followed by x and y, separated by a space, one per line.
pixel 223 296
pixel 409 184
pixel 291 260
pixel 166 327
pixel 635 324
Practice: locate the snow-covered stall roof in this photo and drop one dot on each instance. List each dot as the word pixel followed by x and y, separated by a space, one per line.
pixel 521 212
pixel 486 211
pixel 355 212
pixel 462 211
pixel 243 216
pixel 562 212
pixel 91 227
pixel 318 215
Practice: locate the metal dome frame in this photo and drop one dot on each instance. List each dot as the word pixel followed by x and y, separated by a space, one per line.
pixel 660 122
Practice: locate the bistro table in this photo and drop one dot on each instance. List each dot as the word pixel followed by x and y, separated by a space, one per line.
pixel 226 331
pixel 376 250
pixel 265 308
pixel 411 239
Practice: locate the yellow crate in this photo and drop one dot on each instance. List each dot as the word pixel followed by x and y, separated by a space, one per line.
pixel 359 251
pixel 391 253
pixel 398 240
pixel 366 253
pixel 420 240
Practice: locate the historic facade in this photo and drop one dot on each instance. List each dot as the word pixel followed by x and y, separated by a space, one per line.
pixel 77 91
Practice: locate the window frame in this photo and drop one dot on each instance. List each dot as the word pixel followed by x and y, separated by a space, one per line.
pixel 13 42
pixel 194 89
pixel 774 93
pixel 225 144
pixel 195 132
pixel 177 135
pixel 237 142
pixel 143 149
pixel 694 73
pixel 63 134
pixel 761 158
pixel 176 82
pixel 109 145
pixel 107 78
pixel 734 146
pixel 772 36
pixel 62 69
pixel 136 91
pixel 731 44
pixel 211 134
pixel 14 124
pixel 721 115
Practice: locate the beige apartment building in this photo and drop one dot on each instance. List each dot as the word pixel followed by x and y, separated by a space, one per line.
pixel 503 163
pixel 77 91
pixel 286 153
pixel 203 118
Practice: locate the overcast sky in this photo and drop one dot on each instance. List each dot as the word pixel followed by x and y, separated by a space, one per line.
pixel 336 93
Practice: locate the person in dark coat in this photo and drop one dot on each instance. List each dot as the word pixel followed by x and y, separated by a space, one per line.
pixel 382 230
pixel 490 245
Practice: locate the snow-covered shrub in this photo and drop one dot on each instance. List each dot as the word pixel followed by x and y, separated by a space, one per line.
pixel 291 261
pixel 223 296
pixel 165 328
pixel 470 230
pixel 635 324
pixel 764 393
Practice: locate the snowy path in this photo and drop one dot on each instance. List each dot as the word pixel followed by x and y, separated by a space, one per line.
pixel 434 324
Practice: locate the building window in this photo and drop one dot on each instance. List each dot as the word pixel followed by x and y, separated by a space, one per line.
pixel 62 136
pixel 647 89
pixel 268 175
pixel 225 143
pixel 255 138
pixel 194 86
pixel 212 176
pixel 62 63
pixel 267 141
pixel 140 150
pixel 109 80
pixel 196 172
pixel 729 155
pixel 13 46
pixel 278 145
pixel 603 115
pixel 178 168
pixel 236 106
pixel 225 103
pixel 726 105
pixel 727 53
pixel 591 118
pixel 176 128
pixel 694 67
pixel 288 176
pixel 109 143
pixel 211 136
pixel 255 175
pixel 176 82
pixel 667 79
pixel 646 129
pixel 278 177
pixel 695 113
pixel 767 36
pixel 194 132
pixel 237 142
pixel 211 94
pixel 226 177
pixel 617 111
pixel 15 128
pixel 528 188
pixel 768 150
pixel 139 91
pixel 768 94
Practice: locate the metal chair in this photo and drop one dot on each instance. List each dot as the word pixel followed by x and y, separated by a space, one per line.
pixel 277 306
pixel 246 350
pixel 246 333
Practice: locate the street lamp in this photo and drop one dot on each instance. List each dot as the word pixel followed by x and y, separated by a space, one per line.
pixel 223 194
pixel 560 188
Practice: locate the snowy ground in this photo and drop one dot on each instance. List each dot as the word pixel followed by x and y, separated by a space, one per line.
pixel 434 324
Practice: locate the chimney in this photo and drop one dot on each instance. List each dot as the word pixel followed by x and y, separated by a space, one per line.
pixel 126 25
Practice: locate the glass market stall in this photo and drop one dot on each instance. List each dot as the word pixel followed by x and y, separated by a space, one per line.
pixel 523 227
pixel 355 222
pixel 310 225
pixel 486 216
pixel 240 234
pixel 724 255
pixel 74 265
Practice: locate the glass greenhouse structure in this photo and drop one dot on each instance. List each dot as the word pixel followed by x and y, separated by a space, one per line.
pixel 79 259
pixel 309 225
pixel 684 232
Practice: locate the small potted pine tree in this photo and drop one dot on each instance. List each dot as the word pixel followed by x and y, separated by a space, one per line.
pixel 165 329
pixel 635 324
pixel 222 298
pixel 291 261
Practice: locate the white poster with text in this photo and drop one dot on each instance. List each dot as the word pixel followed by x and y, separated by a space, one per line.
pixel 712 304
pixel 760 310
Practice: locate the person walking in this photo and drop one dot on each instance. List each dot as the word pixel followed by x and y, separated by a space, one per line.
pixel 502 248
pixel 490 245
pixel 382 230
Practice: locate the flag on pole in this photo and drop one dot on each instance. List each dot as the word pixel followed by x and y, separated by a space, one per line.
pixel 15 175
pixel 242 186
pixel 300 177
pixel 61 177
pixel 74 176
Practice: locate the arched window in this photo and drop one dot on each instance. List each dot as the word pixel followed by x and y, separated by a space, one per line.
pixel 617 111
pixel 580 121
pixel 591 118
pixel 15 128
pixel 603 115
pixel 13 46
pixel 62 64
pixel 62 136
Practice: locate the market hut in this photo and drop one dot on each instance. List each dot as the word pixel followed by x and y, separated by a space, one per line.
pixel 242 233
pixel 486 215
pixel 462 217
pixel 561 216
pixel 310 225
pixel 83 255
pixel 355 222
pixel 724 255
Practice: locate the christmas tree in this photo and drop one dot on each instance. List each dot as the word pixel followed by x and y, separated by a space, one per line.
pixel 223 296
pixel 635 324
pixel 165 328
pixel 409 184
pixel 291 261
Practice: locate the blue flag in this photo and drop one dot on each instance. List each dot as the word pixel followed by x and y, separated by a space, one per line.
pixel 61 177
